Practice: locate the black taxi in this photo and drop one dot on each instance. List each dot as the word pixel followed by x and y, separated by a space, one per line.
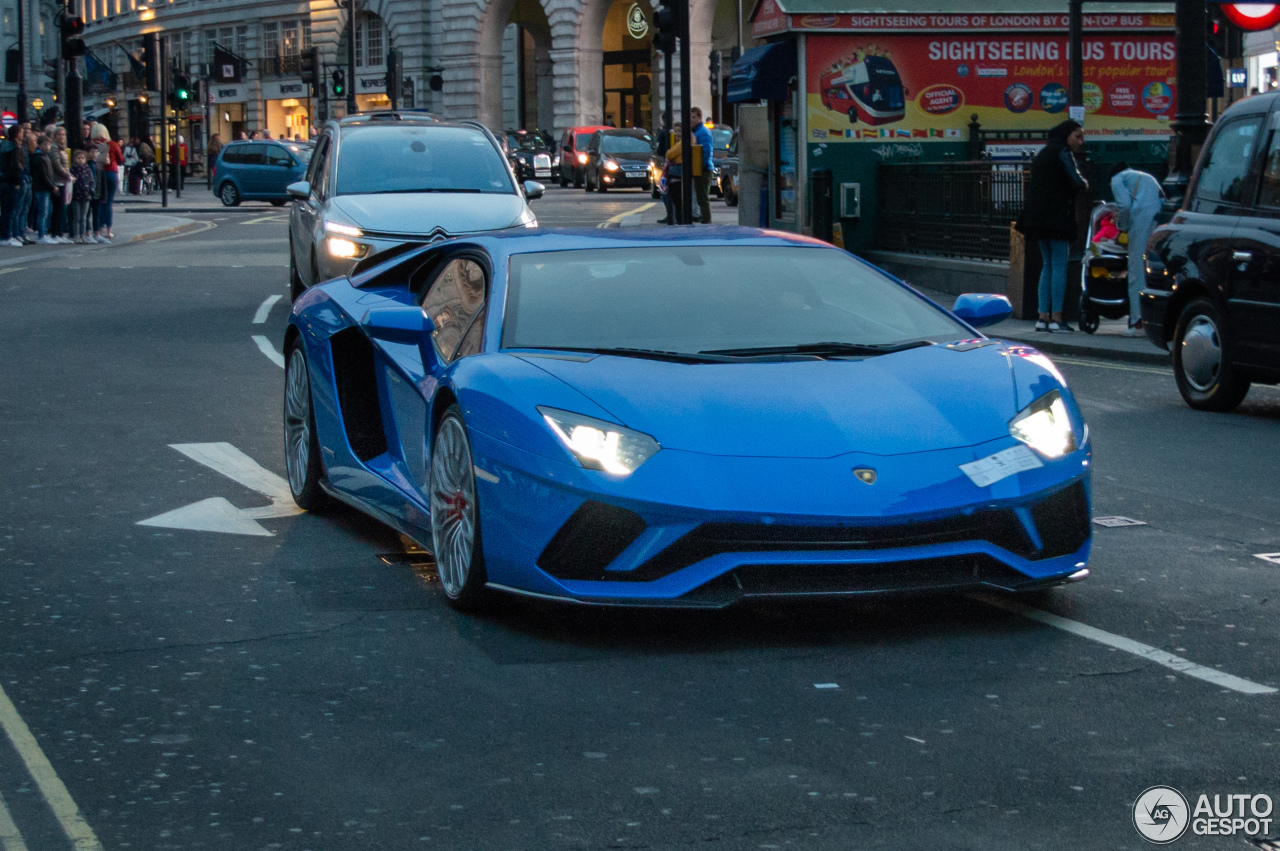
pixel 1213 272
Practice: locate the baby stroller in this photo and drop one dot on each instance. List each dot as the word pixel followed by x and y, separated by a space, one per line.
pixel 1104 285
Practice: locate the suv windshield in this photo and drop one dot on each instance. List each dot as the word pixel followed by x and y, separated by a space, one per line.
pixel 387 158
pixel 724 299
pixel 624 144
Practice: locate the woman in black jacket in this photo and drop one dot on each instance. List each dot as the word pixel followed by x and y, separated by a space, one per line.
pixel 1050 216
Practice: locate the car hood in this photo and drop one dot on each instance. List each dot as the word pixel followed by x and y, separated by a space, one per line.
pixel 923 399
pixel 422 213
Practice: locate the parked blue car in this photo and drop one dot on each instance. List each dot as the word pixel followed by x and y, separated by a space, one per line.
pixel 259 171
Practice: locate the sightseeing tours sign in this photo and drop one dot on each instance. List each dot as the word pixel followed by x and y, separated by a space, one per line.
pixel 864 87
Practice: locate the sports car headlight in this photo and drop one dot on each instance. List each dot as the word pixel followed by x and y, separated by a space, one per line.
pixel 600 445
pixel 1045 426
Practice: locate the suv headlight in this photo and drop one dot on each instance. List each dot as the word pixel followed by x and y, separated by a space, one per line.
pixel 346 249
pixel 600 445
pixel 1045 426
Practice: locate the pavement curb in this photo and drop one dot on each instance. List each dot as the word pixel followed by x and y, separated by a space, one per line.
pixel 156 208
pixel 1054 344
pixel 173 231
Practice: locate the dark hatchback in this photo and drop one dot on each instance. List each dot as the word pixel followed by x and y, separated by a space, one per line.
pixel 617 159
pixel 1213 272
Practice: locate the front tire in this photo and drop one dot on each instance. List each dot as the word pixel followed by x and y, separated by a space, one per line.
pixel 1206 377
pixel 455 514
pixel 301 445
pixel 229 195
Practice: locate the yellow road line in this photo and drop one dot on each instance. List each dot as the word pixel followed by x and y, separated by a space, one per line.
pixel 47 781
pixel 10 838
pixel 617 220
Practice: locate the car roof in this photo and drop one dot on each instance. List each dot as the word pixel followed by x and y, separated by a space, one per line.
pixel 1252 105
pixel 638 132
pixel 386 115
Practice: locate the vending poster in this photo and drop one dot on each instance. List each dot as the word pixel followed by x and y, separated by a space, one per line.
pixel 864 87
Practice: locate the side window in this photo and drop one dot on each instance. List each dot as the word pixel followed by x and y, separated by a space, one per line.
pixel 253 154
pixel 456 304
pixel 231 154
pixel 322 148
pixel 278 156
pixel 1226 167
pixel 319 173
pixel 1269 185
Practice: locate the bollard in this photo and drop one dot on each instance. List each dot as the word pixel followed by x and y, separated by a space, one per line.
pixel 820 186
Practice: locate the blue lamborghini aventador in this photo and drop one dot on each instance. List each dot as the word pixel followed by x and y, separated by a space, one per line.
pixel 636 418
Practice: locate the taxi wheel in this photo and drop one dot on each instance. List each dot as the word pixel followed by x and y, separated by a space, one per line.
pixel 1207 379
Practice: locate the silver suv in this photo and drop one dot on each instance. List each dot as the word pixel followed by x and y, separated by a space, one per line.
pixel 378 180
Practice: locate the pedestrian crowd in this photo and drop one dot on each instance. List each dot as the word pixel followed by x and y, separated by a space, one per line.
pixel 674 177
pixel 51 195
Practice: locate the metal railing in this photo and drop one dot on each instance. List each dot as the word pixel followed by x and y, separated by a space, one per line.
pixel 950 209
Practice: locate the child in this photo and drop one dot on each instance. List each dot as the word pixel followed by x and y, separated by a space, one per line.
pixel 81 196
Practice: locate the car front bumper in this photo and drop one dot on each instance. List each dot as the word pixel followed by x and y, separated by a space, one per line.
pixel 701 531
pixel 1154 305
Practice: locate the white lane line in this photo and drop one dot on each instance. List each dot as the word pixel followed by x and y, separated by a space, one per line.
pixel 1128 645
pixel 269 350
pixel 10 838
pixel 264 309
pixel 47 781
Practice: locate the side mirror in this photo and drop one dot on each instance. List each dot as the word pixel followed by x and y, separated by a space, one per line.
pixel 982 309
pixel 406 325
pixel 533 190
pixel 299 191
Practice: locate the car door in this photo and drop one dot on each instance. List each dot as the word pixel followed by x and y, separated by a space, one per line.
pixel 251 170
pixel 1254 303
pixel 278 171
pixel 1219 194
pixel 305 221
pixel 456 299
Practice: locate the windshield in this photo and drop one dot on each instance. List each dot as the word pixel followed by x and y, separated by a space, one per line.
pixel 386 158
pixel 525 142
pixel 625 145
pixel 691 299
pixel 720 137
pixel 581 140
pixel 302 152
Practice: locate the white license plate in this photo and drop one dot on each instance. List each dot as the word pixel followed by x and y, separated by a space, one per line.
pixel 635 174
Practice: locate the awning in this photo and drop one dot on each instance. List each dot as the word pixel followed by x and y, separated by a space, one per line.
pixel 762 73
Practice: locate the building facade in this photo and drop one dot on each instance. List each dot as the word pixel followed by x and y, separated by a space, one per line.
pixel 546 64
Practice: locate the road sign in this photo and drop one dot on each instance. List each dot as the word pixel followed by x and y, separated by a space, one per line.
pixel 8 119
pixel 1252 17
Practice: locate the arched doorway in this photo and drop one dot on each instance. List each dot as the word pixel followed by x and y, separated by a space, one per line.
pixel 527 92
pixel 627 82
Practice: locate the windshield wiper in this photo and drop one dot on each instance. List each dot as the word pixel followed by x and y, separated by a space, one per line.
pixel 821 349
pixel 651 354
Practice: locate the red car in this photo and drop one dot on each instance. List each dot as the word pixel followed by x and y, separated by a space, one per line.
pixel 573 154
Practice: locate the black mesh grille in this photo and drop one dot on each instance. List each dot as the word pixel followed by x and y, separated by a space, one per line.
pixel 590 540
pixel 762 580
pixel 1062 521
pixel 1000 527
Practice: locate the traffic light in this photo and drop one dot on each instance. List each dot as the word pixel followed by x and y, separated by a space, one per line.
pixel 151 61
pixel 339 83
pixel 181 92
pixel 666 23
pixel 51 76
pixel 72 30
pixel 715 65
pixel 311 69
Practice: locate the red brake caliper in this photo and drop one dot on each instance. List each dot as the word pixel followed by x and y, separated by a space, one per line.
pixel 457 505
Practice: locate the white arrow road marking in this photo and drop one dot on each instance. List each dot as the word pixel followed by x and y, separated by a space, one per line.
pixel 264 309
pixel 264 345
pixel 1128 645
pixel 1274 558
pixel 217 514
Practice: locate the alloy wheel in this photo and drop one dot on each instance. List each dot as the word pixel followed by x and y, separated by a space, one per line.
pixel 297 420
pixel 453 505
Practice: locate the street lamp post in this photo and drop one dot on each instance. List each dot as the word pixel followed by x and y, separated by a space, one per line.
pixel 351 57
pixel 22 64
